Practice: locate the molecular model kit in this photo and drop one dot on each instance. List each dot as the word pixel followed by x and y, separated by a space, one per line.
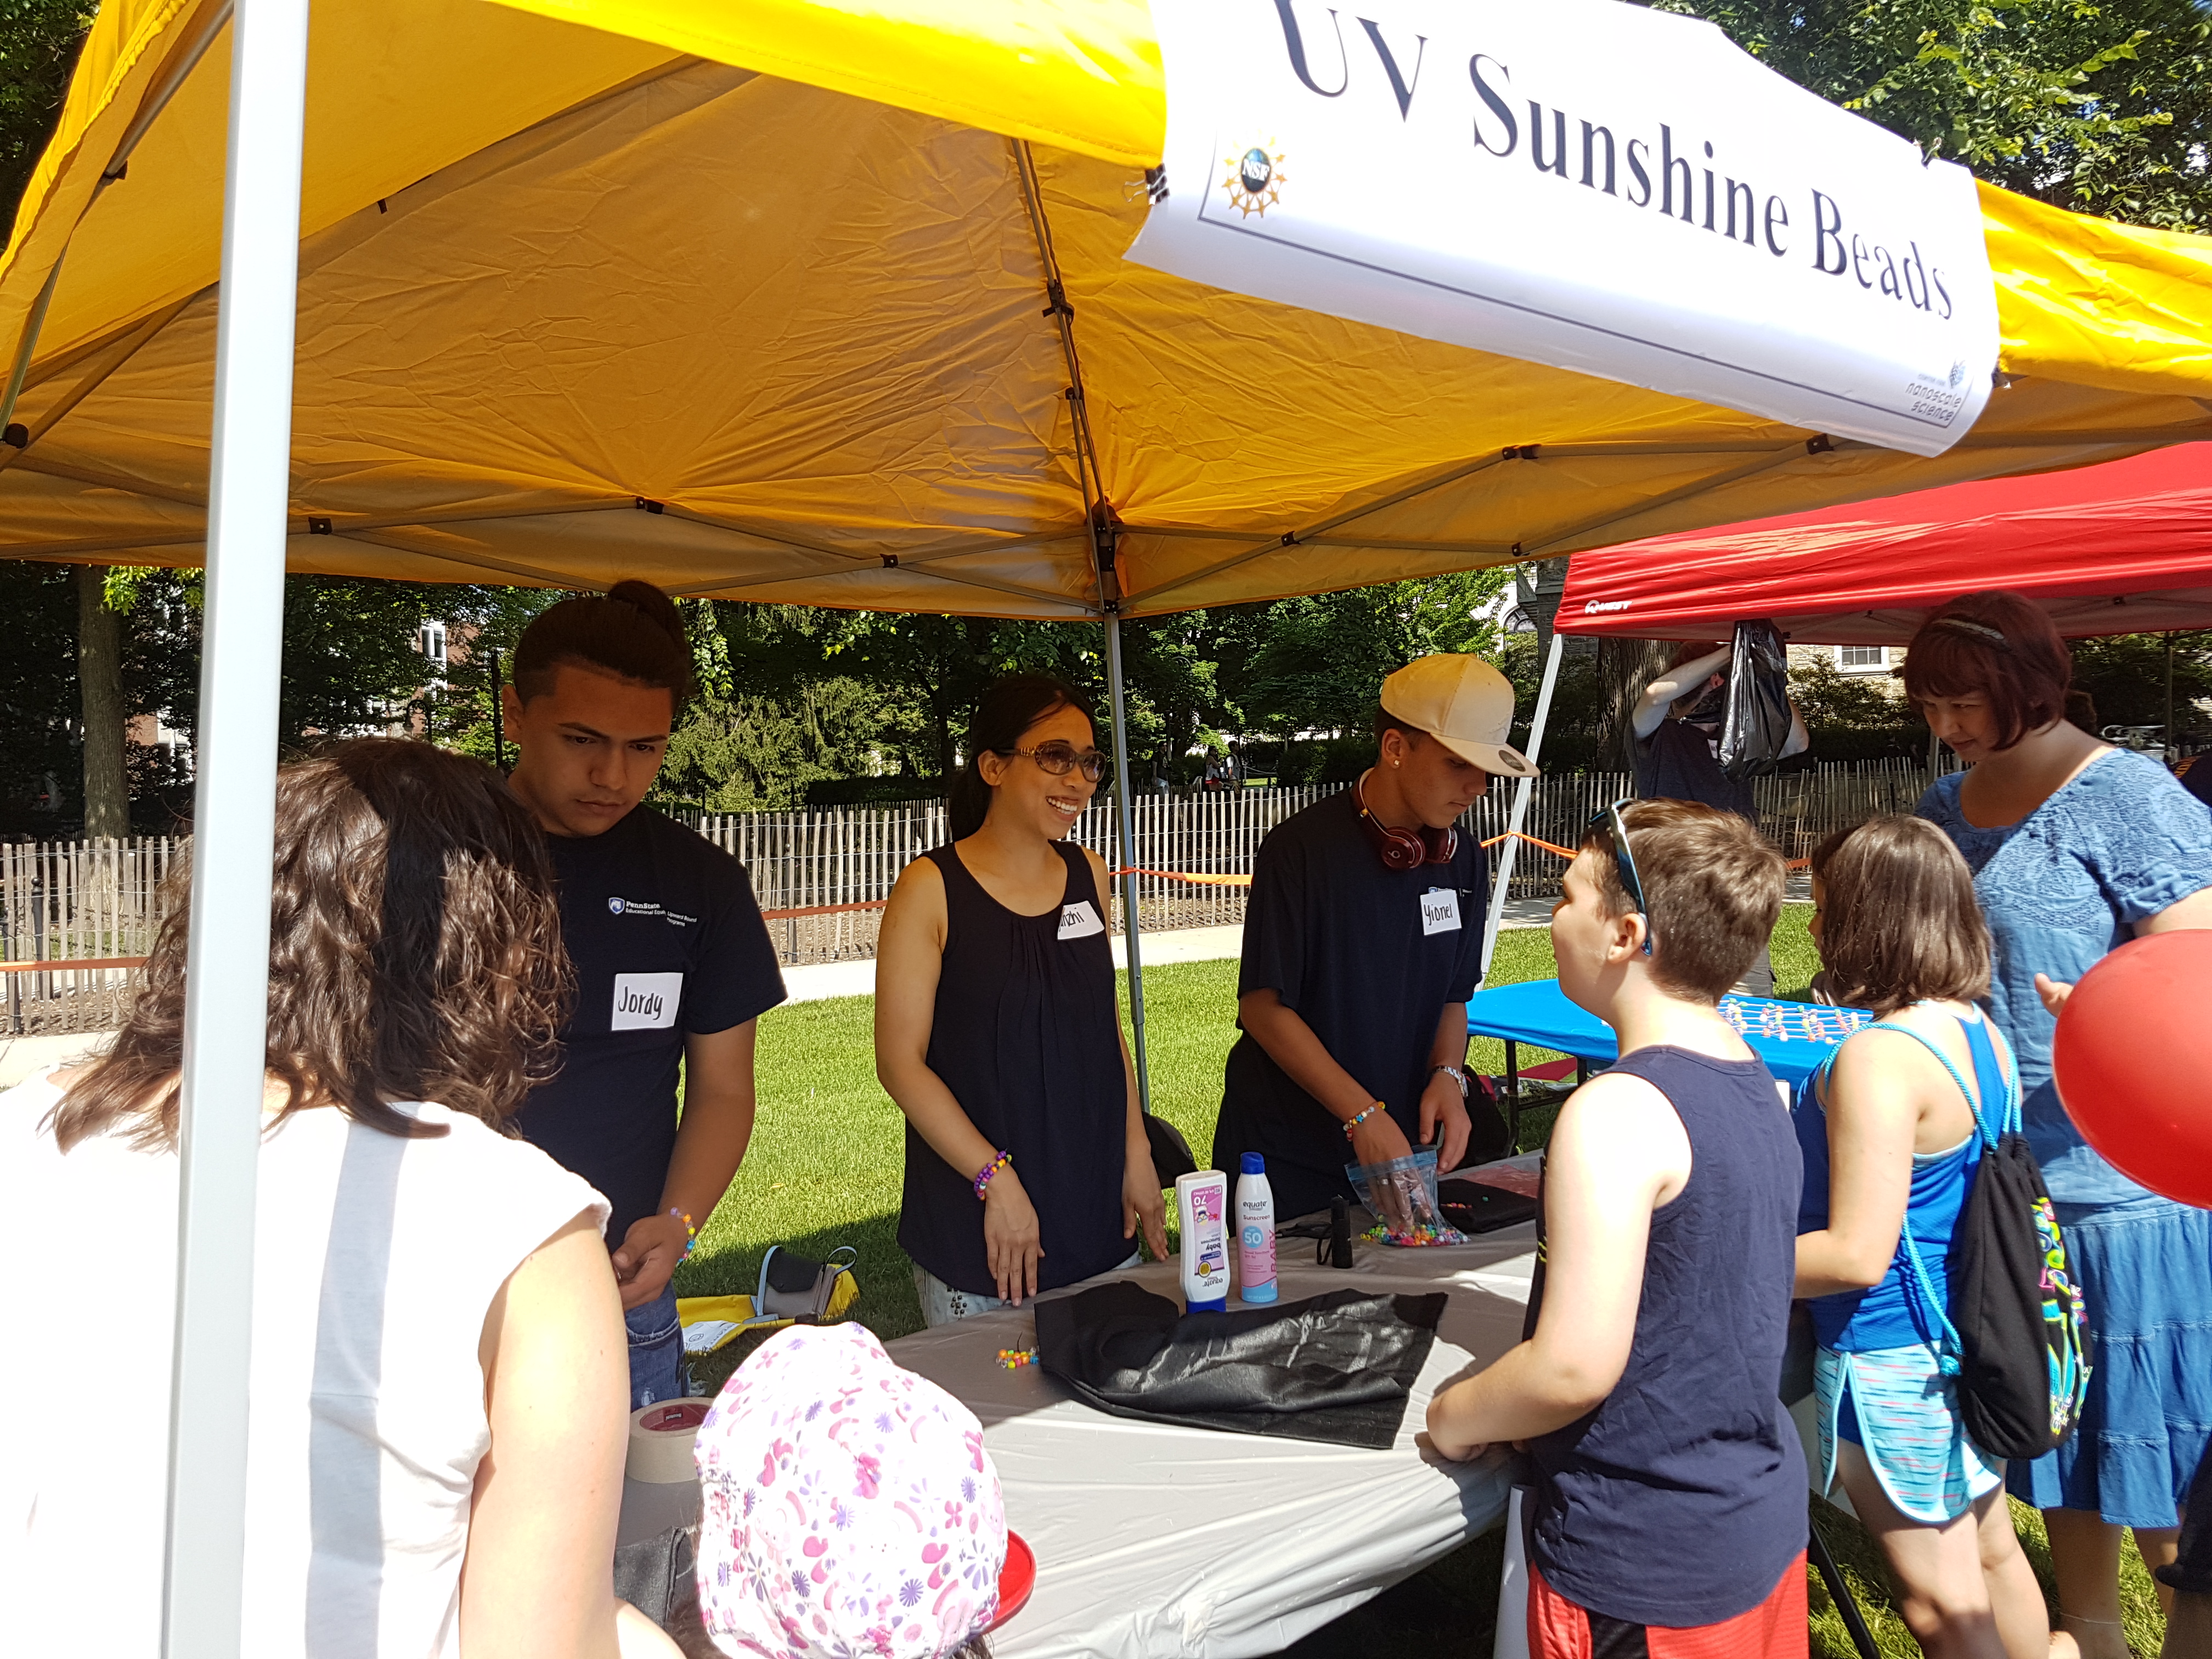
pixel 1791 1022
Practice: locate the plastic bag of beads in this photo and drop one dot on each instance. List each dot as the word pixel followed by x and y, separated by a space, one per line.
pixel 1401 1194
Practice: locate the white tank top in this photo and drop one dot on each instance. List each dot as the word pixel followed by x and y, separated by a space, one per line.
pixel 376 1259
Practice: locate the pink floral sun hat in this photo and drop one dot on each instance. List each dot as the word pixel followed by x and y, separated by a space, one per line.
pixel 849 1510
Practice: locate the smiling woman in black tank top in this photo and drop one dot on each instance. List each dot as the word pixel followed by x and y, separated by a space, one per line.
pixel 997 1032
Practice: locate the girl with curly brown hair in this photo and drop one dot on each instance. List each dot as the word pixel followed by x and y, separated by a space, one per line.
pixel 438 1427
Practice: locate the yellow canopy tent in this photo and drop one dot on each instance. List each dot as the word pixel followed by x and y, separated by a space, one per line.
pixel 751 301
pixel 790 301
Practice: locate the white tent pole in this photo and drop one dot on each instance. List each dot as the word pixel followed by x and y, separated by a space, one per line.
pixel 1504 882
pixel 227 970
pixel 1126 851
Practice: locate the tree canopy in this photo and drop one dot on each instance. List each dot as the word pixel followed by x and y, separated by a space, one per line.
pixel 2103 108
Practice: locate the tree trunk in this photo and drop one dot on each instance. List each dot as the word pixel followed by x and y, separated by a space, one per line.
pixel 1625 667
pixel 100 675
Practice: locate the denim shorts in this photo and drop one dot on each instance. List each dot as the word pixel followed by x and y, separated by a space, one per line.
pixel 656 1350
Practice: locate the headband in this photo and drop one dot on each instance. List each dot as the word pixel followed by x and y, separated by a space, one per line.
pixel 1982 632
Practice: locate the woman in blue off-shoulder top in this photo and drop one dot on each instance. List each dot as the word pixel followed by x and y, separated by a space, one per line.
pixel 2077 847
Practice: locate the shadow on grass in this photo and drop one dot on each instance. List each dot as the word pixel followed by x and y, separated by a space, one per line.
pixel 887 1306
pixel 1448 1610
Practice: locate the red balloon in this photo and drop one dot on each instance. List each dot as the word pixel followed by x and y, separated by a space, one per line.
pixel 2132 1066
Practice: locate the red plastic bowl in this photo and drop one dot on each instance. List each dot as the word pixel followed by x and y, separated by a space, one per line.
pixel 1016 1579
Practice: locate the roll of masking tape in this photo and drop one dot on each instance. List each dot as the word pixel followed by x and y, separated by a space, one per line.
pixel 660 1439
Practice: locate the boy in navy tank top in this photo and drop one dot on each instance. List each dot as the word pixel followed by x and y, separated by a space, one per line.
pixel 1669 1512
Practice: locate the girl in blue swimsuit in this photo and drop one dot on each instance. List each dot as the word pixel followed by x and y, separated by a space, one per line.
pixel 1892 1130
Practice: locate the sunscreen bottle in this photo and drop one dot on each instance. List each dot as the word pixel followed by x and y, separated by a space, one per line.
pixel 1202 1210
pixel 1255 1231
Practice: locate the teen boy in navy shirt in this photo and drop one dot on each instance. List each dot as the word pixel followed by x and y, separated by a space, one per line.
pixel 1363 941
pixel 1669 1503
pixel 673 962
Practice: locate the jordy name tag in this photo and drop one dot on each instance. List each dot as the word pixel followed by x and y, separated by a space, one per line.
pixel 1439 911
pixel 646 1002
pixel 1079 920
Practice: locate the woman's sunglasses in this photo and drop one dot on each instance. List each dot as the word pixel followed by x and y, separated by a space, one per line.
pixel 1060 759
pixel 1625 862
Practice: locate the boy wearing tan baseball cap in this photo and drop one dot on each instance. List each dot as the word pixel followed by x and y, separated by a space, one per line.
pixel 1363 941
pixel 1463 703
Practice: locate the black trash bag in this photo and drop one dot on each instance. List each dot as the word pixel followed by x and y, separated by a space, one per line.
pixel 1756 720
pixel 1335 1368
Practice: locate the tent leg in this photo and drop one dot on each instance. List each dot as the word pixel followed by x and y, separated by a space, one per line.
pixel 227 970
pixel 29 344
pixel 1503 883
pixel 1126 852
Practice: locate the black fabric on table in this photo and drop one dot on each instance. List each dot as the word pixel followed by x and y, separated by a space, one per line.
pixel 1335 1368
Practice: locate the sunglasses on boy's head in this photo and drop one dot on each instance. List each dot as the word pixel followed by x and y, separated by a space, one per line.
pixel 1625 862
pixel 1060 757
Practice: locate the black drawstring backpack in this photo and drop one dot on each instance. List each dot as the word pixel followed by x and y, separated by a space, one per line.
pixel 2014 1336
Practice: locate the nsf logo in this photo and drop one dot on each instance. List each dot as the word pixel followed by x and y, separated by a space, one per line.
pixel 1254 179
pixel 614 905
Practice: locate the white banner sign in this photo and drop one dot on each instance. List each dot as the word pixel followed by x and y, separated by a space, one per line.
pixel 1581 183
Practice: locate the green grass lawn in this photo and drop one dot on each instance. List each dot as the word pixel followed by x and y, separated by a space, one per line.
pixel 825 1166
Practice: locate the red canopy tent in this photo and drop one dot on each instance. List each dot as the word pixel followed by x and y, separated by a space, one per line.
pixel 2123 548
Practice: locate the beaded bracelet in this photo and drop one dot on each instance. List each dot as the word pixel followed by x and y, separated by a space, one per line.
pixel 690 1234
pixel 1352 1123
pixel 1004 1161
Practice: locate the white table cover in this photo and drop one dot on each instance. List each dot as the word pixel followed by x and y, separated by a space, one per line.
pixel 1154 1540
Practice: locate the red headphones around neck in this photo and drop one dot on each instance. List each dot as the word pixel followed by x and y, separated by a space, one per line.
pixel 1405 849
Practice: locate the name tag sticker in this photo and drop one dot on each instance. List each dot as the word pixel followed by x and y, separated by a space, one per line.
pixel 646 1002
pixel 1439 911
pixel 1079 920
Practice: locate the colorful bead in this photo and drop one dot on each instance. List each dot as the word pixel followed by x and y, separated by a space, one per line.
pixel 1004 1161
pixel 1418 1234
pixel 1352 1123
pixel 1014 1358
pixel 690 1233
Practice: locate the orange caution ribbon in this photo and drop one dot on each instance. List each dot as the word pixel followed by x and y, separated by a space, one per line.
pixel 1566 852
pixel 1186 875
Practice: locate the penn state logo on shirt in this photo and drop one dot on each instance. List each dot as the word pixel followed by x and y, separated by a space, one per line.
pixel 1079 920
pixel 615 904
pixel 646 1002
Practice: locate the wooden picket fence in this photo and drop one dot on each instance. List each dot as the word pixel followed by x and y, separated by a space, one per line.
pixel 840 860
pixel 1797 811
pixel 74 901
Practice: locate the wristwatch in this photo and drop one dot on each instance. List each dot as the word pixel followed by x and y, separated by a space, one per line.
pixel 1454 1074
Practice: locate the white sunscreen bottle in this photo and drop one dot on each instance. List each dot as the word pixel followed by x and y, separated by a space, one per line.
pixel 1255 1231
pixel 1202 1210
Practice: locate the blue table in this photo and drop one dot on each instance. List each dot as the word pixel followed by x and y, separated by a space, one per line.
pixel 1793 1038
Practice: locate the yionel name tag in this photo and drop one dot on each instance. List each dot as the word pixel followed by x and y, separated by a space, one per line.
pixel 1439 911
pixel 1079 920
pixel 646 1002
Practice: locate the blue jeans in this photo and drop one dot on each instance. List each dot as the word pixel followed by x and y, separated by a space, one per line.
pixel 656 1350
